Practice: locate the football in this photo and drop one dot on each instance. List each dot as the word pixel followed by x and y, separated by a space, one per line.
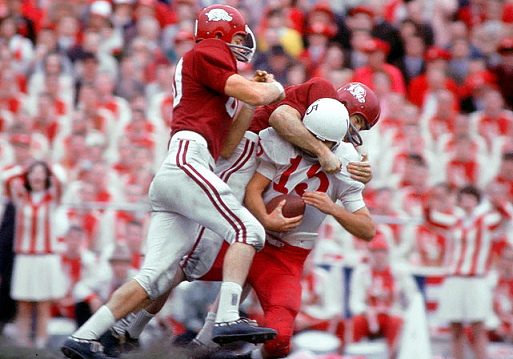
pixel 295 206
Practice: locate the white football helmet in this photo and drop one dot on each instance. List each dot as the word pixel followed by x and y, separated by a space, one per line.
pixel 328 120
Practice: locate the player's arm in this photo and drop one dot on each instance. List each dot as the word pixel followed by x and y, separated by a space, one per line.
pixel 254 93
pixel 254 201
pixel 242 121
pixel 358 223
pixel 286 120
pixel 237 129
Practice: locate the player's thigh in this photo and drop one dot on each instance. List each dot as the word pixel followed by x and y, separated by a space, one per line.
pixel 193 190
pixel 167 242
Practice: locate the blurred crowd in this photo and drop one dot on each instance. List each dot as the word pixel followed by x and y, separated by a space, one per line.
pixel 86 106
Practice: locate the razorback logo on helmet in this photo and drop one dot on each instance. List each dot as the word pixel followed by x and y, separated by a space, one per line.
pixel 218 15
pixel 358 92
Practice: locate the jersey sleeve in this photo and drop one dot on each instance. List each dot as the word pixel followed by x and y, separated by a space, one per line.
pixel 273 152
pixel 213 64
pixel 350 190
pixel 301 96
pixel 266 167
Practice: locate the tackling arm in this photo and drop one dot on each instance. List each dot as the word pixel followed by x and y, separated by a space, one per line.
pixel 242 121
pixel 254 93
pixel 287 122
pixel 239 125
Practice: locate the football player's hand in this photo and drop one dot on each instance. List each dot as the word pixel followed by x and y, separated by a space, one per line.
pixel 330 162
pixel 319 200
pixel 276 222
pixel 262 76
pixel 360 171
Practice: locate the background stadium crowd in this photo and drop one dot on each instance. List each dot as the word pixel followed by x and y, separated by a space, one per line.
pixel 86 87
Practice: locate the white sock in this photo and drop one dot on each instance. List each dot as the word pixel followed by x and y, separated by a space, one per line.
pixel 137 326
pixel 205 334
pixel 122 325
pixel 229 302
pixel 98 324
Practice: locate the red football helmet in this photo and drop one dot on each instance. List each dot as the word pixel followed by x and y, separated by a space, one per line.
pixel 360 99
pixel 224 22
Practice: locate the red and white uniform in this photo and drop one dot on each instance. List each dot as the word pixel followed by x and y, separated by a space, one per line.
pixel 467 293
pixel 37 273
pixel 283 257
pixel 375 301
pixel 185 191
pixel 238 170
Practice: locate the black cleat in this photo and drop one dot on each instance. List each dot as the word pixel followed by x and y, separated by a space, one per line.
pixel 241 329
pixel 111 342
pixel 129 344
pixel 76 348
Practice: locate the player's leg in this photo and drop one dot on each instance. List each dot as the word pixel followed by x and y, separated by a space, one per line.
pixel 276 278
pixel 221 212
pixel 154 279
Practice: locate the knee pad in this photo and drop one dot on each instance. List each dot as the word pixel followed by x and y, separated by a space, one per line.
pixel 255 234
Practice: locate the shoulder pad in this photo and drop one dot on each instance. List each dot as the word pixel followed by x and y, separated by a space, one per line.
pixel 347 153
pixel 275 147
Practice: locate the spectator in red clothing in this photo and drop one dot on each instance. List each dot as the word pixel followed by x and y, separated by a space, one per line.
pixel 184 41
pixel 464 168
pixel 46 119
pixel 77 263
pixel 505 174
pixel 436 60
pixel 474 89
pixel 444 119
pixel 377 296
pixel 21 48
pixel 504 71
pixel 385 206
pixel 124 161
pixel 334 59
pixel 494 120
pixel 415 185
pixel 377 51
pixel 318 36
pixel 431 246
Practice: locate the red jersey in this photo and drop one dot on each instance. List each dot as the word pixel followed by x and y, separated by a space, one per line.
pixel 199 102
pixel 298 97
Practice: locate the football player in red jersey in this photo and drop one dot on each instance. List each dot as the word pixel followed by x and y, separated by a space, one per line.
pixel 185 191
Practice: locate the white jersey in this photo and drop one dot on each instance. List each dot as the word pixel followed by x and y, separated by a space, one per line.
pixel 292 173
